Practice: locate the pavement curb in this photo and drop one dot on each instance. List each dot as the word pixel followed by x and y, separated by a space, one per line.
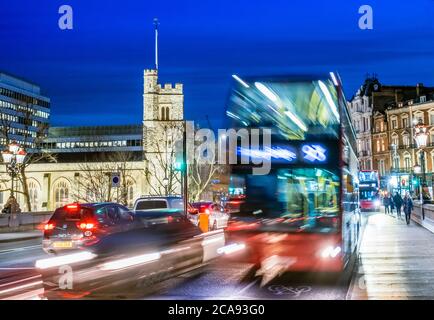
pixel 20 239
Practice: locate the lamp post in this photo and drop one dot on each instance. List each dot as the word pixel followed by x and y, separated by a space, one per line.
pixel 13 158
pixel 421 137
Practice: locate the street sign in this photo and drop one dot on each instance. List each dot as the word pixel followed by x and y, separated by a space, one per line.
pixel 115 179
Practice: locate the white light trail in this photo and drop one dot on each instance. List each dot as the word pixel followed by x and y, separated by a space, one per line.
pixel 329 99
pixel 64 260
pixel 240 81
pixel 265 91
pixel 129 262
pixel 296 120
pixel 234 247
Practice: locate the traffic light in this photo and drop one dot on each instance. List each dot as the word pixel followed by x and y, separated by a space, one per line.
pixel 179 164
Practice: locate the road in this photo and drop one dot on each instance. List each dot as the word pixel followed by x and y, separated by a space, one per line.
pixel 395 262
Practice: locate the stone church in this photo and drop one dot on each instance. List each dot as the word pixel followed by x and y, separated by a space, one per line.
pixel 87 158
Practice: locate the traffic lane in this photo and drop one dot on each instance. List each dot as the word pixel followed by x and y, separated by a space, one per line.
pixel 225 280
pixel 20 254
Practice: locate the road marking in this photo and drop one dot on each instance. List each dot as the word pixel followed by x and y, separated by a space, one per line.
pixel 251 284
pixel 22 287
pixel 18 281
pixel 20 249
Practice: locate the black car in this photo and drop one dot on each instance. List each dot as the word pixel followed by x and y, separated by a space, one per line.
pixel 155 245
pixel 83 226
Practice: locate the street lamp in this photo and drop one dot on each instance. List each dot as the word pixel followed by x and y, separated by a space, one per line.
pixel 13 158
pixel 421 137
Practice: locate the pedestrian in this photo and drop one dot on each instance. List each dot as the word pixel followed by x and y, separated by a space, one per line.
pixel 398 204
pixel 408 207
pixel 386 203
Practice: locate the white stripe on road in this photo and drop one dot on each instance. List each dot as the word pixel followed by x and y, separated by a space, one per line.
pixel 18 281
pixel 20 249
pixel 17 268
pixel 22 287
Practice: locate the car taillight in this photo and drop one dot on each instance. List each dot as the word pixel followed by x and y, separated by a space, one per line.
pixel 49 226
pixel 72 207
pixel 207 211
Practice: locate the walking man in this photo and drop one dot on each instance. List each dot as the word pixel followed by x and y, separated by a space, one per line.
pixel 408 207
pixel 398 204
pixel 387 203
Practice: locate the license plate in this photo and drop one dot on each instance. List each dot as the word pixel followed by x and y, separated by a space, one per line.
pixel 62 244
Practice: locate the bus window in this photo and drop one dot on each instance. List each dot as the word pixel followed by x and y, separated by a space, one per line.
pixel 305 197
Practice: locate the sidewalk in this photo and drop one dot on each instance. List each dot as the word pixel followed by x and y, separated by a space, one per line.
pixel 19 236
pixel 396 261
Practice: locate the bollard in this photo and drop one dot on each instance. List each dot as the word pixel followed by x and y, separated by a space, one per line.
pixel 204 222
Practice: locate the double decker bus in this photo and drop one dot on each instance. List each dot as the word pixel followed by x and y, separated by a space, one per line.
pixel 369 187
pixel 304 214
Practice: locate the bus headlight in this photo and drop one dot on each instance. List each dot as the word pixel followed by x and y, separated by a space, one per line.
pixel 377 203
pixel 330 252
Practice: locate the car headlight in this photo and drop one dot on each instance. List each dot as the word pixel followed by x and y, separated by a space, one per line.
pixel 330 252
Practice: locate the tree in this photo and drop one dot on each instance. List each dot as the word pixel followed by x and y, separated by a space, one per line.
pixel 161 175
pixel 201 172
pixel 94 182
pixel 35 153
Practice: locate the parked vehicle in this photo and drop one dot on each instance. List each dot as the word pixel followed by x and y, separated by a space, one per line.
pixel 218 216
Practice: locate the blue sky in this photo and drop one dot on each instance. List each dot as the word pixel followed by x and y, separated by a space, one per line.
pixel 93 73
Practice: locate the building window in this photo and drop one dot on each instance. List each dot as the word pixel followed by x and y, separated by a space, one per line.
pixel 61 194
pixel 394 124
pixel 406 140
pixel 33 195
pixel 396 162
pixel 395 140
pixel 405 122
pixel 378 145
pixel 431 135
pixel 431 118
pixel 383 145
pixel 381 167
pixel 407 162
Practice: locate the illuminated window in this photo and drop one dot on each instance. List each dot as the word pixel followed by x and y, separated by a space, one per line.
pixel 61 193
pixel 33 195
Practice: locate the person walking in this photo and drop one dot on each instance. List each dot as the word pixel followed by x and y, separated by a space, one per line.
pixel 408 207
pixel 386 203
pixel 398 204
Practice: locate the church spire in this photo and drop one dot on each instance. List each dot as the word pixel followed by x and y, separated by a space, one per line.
pixel 156 23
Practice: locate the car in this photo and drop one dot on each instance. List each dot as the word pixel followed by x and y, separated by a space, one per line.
pixel 233 203
pixel 217 214
pixel 161 202
pixel 162 244
pixel 79 226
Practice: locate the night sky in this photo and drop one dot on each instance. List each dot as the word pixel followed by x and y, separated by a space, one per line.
pixel 94 73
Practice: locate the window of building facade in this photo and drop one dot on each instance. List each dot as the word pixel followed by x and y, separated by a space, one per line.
pixel 394 123
pixel 378 145
pixel 33 195
pixel 406 139
pixel 396 162
pixel 383 145
pixel 431 117
pixel 61 194
pixel 407 162
pixel 395 140
pixel 405 121
pixel 381 167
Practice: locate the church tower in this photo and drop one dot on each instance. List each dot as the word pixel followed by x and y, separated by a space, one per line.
pixel 163 113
